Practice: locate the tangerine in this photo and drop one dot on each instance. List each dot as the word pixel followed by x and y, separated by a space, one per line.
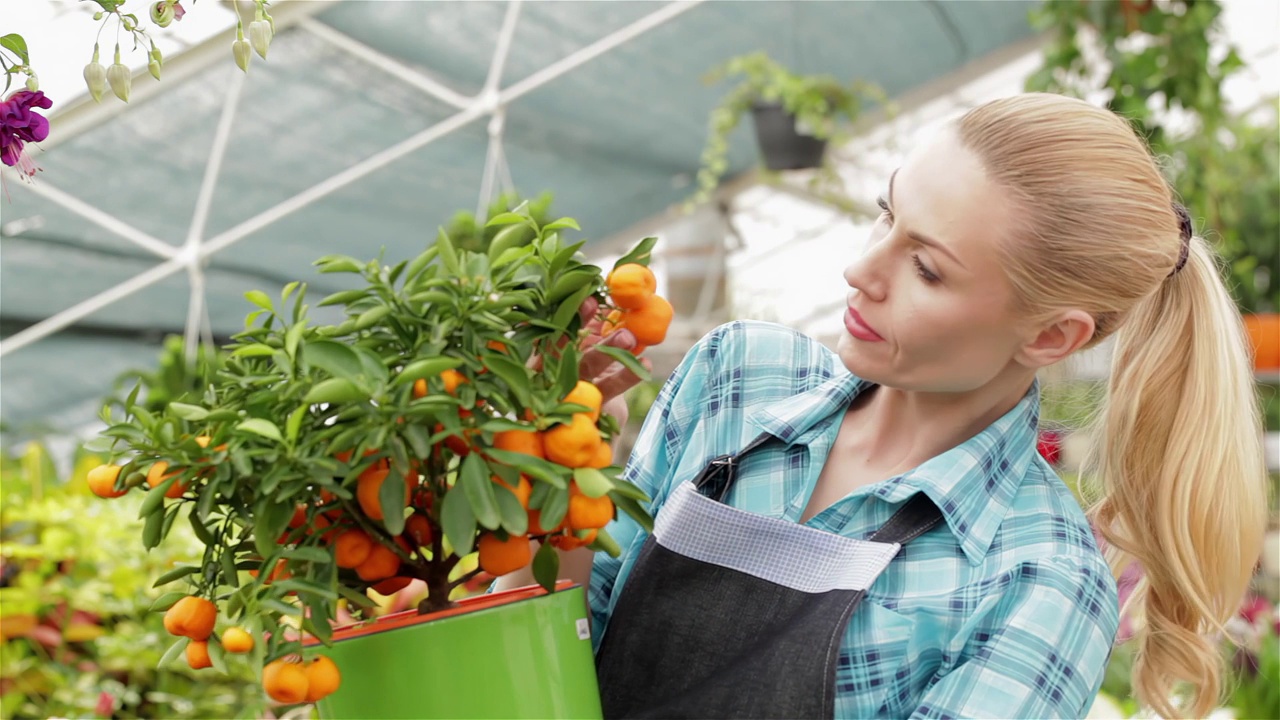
pixel 584 393
pixel 587 513
pixel 650 321
pixel 631 285
pixel 499 557
pixel 352 548
pixel 573 444
pixel 236 640
pixel 156 475
pixel 322 678
pixel 198 654
pixel 285 681
pixel 192 617
pixel 102 481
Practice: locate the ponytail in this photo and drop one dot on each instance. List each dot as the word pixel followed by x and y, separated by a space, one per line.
pixel 1177 453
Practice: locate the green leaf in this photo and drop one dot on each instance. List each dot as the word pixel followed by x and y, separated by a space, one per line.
pixel 554 508
pixel 166 601
pixel 515 519
pixel 567 374
pixel 514 374
pixel 370 317
pixel 265 428
pixel 418 437
pixel 356 598
pixel 270 520
pixel 448 255
pixel 293 337
pixel 592 482
pixel 640 254
pixel 208 496
pixel 568 309
pixel 337 359
pixel 339 263
pixel 627 489
pixel 343 297
pixel 604 542
pixel 174 652
pixel 475 481
pixel 216 657
pixel 199 528
pixel 507 218
pixel 193 413
pixel 566 222
pixel 15 43
pixel 534 467
pixel 391 498
pixel 334 390
pixel 300 586
pixel 229 574
pixel 261 299
pixel 294 424
pixel 458 522
pixel 222 416
pixel 176 574
pixel 546 567
pixel 631 507
pixel 626 358
pixel 154 499
pixel 569 283
pixel 418 264
pixel 429 367
pixel 501 424
pixel 281 607
pixel 153 527
pixel 309 554
pixel 288 290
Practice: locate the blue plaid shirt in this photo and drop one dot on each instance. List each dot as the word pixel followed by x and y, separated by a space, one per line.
pixel 1007 611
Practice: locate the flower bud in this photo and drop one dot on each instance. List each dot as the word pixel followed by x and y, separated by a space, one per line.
pixel 162 13
pixel 119 77
pixel 95 76
pixel 153 67
pixel 242 52
pixel 33 83
pixel 260 37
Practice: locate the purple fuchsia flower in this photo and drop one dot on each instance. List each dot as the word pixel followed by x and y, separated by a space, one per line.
pixel 21 124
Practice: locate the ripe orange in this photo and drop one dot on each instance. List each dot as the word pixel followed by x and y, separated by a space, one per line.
pixel 588 513
pixel 198 654
pixel 522 490
pixel 419 388
pixel 499 557
pixel 191 617
pixel 236 640
pixel 156 475
pixel 381 564
pixel 280 572
pixel 352 548
pixel 285 681
pixel 603 457
pixel 1264 337
pixel 370 484
pixel 574 444
pixel 418 528
pixel 631 285
pixel 459 445
pixel 650 321
pixel 452 379
pixel 102 481
pixel 584 393
pixel 528 442
pixel 322 678
pixel 572 542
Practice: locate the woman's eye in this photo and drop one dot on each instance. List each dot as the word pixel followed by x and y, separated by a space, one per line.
pixel 923 271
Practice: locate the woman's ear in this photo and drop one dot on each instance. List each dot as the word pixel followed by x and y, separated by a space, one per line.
pixel 1055 341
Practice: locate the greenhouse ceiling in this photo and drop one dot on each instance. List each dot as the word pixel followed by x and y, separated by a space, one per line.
pixel 369 126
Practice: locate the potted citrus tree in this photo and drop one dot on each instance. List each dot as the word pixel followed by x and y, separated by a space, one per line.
pixel 444 416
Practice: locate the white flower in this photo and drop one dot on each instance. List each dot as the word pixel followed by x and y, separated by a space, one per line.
pixel 260 36
pixel 242 52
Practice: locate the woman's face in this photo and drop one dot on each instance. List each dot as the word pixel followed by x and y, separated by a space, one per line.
pixel 930 308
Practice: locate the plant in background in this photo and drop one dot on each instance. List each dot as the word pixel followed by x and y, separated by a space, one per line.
pixel 174 377
pixel 475 234
pixel 444 416
pixel 1163 65
pixel 76 636
pixel 818 108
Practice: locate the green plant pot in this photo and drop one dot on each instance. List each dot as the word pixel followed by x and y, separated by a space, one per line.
pixel 517 654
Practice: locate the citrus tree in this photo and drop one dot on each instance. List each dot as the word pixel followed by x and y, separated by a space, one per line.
pixel 445 415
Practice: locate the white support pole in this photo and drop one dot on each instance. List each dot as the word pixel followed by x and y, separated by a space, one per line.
pixel 195 313
pixel 103 219
pixel 54 323
pixel 596 49
pixel 491 160
pixel 387 64
pixel 503 49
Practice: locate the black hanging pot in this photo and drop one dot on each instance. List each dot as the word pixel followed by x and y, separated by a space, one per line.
pixel 782 145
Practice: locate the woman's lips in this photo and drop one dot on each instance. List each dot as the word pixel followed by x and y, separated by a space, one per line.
pixel 859 328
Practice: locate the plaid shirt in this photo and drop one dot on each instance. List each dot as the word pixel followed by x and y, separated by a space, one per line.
pixel 1007 611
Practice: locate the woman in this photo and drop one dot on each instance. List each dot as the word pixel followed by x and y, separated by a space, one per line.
pixel 776 585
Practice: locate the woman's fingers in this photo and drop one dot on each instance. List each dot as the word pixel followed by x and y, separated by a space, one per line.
pixel 595 363
pixel 618 379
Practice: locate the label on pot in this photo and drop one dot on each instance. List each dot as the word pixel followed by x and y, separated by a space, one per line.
pixel 584 629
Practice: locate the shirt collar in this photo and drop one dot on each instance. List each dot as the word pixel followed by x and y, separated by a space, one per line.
pixel 973 484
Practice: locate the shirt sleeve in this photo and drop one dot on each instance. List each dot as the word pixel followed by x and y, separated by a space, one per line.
pixel 1042 654
pixel 657 451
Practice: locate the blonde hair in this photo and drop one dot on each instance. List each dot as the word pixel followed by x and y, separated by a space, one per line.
pixel 1177 451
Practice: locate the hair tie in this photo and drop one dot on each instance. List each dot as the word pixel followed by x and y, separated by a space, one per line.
pixel 1184 229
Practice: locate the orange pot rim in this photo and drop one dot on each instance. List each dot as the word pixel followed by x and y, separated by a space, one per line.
pixel 407 618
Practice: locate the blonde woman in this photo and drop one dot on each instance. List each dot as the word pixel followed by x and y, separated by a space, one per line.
pixel 871 533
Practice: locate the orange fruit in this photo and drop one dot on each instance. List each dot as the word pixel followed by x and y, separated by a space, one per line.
pixel 588 513
pixel 280 572
pixel 418 528
pixel 452 379
pixel 584 393
pixel 370 484
pixel 381 564
pixel 285 681
pixel 496 346
pixel 322 678
pixel 499 557
pixel 603 457
pixel 102 481
pixel 459 445
pixel 1264 337
pixel 650 321
pixel 391 585
pixel 535 524
pixel 572 542
pixel 204 440
pixel 522 490
pixel 156 475
pixel 528 442
pixel 198 654
pixel 631 285
pixel 574 444
pixel 419 388
pixel 191 617
pixel 236 640
pixel 352 548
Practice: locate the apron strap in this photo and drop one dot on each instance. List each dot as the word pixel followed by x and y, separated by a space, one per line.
pixel 717 477
pixel 917 517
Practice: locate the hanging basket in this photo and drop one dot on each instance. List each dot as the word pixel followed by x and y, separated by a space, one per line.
pixel 783 146
pixel 522 653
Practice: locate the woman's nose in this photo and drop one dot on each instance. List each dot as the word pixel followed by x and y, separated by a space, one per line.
pixel 866 273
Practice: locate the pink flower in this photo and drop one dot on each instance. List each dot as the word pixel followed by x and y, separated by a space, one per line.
pixel 20 124
pixel 106 704
pixel 178 11
pixel 1254 607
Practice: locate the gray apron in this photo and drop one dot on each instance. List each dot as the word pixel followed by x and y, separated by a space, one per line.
pixel 729 614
